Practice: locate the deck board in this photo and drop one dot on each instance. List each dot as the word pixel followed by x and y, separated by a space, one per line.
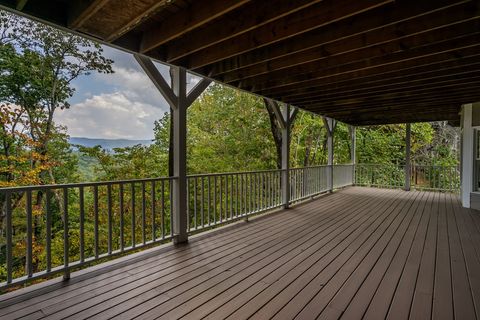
pixel 357 253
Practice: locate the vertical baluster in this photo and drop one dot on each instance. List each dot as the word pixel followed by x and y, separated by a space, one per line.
pixel 66 274
pixel 214 200
pixel 221 198
pixel 262 190
pixel 195 202
pixel 226 197
pixel 241 193
pixel 29 266
pixel 144 216
pixel 236 194
pixel 154 210
pixel 250 193
pixel 110 218
pixel 245 194
pixel 231 196
pixel 268 195
pixel 9 235
pixel 171 208
pixel 82 223
pixel 253 187
pixel 121 208
pixel 203 203
pixel 48 243
pixel 132 216
pixel 209 187
pixel 95 223
pixel 162 218
pixel 188 205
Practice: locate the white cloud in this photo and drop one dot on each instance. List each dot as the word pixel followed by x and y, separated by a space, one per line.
pixel 120 105
pixel 111 116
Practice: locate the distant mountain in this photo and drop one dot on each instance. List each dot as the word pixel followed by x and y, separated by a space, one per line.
pixel 108 144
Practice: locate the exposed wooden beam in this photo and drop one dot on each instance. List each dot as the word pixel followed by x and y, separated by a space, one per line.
pixel 430 72
pixel 82 10
pixel 196 91
pixel 461 57
pixel 444 81
pixel 323 13
pixel 415 46
pixel 374 19
pixel 233 24
pixel 404 59
pixel 196 15
pixel 157 79
pixel 386 110
pixel 434 96
pixel 134 21
pixel 387 39
pixel 421 104
pixel 370 120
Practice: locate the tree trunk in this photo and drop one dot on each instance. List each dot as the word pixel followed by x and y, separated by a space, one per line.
pixel 276 132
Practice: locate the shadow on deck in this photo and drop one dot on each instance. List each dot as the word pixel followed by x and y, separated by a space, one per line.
pixel 357 253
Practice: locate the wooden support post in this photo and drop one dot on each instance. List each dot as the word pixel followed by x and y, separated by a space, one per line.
pixel 467 155
pixel 179 101
pixel 408 166
pixel 353 150
pixel 285 118
pixel 330 125
pixel 286 157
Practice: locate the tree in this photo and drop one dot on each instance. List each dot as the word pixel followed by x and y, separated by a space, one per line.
pixel 37 66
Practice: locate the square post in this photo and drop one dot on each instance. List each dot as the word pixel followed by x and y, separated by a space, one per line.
pixel 286 157
pixel 179 114
pixel 330 125
pixel 467 155
pixel 353 150
pixel 408 167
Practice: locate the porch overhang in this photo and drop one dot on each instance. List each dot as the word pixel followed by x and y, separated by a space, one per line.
pixel 360 62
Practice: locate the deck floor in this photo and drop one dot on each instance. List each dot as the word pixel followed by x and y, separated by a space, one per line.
pixel 357 253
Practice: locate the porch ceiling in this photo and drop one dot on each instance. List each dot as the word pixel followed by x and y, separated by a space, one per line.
pixel 361 62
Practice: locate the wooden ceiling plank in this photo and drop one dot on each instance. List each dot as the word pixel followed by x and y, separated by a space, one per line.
pixel 439 96
pixel 196 15
pixel 232 25
pixel 323 13
pixel 405 69
pixel 467 95
pixel 376 81
pixel 413 58
pixel 391 88
pixel 81 10
pixel 138 19
pixel 368 21
pixel 387 39
pixel 404 49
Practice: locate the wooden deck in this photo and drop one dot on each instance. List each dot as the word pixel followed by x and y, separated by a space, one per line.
pixel 357 253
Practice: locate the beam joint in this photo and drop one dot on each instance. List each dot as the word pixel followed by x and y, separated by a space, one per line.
pixel 179 100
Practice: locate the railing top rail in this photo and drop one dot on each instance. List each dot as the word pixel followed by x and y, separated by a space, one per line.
pixel 198 175
pixel 318 166
pixel 80 184
pixel 413 164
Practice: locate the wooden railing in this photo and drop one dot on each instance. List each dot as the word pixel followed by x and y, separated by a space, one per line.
pixel 422 177
pixel 50 229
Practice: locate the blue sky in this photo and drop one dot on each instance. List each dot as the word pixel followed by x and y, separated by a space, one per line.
pixel 122 105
